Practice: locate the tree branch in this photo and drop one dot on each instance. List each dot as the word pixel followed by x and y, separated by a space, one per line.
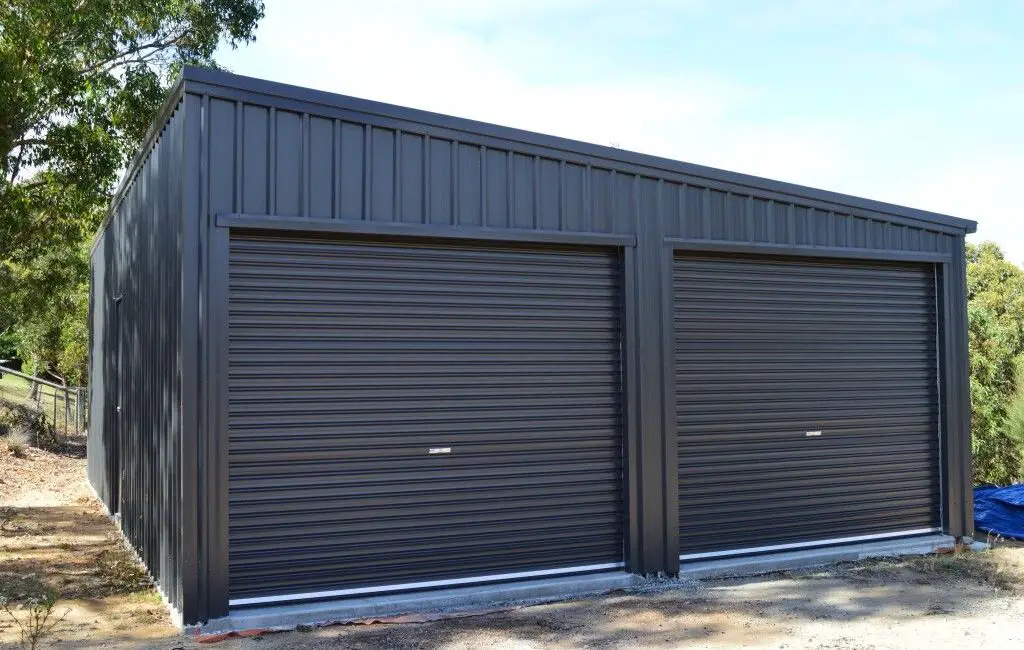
pixel 16 168
pixel 29 142
pixel 22 237
pixel 114 61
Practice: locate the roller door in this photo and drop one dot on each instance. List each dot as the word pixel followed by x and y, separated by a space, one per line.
pixel 407 416
pixel 806 401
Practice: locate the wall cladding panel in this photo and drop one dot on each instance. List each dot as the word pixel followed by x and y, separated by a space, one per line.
pixel 438 181
pixel 320 163
pixel 135 455
pixel 410 179
pixel 382 175
pixel 255 159
pixel 350 173
pixel 470 206
pixel 287 163
pixel 601 202
pixel 548 186
pixel 496 210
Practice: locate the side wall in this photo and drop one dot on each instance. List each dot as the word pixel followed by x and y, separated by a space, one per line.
pixel 135 455
pixel 294 158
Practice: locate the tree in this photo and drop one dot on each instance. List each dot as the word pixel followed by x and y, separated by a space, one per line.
pixel 80 83
pixel 995 292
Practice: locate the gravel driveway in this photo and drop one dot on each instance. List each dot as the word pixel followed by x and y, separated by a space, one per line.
pixel 971 600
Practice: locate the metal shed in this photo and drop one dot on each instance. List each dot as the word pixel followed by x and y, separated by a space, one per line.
pixel 343 348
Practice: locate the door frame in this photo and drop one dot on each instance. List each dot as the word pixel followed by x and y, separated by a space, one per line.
pixel 950 281
pixel 214 451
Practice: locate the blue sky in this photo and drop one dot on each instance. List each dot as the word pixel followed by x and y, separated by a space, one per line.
pixel 918 102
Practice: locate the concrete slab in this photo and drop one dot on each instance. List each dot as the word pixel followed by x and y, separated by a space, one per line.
pixel 528 592
pixel 287 617
pixel 804 558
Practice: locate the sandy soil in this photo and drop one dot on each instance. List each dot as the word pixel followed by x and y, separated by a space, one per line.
pixel 53 533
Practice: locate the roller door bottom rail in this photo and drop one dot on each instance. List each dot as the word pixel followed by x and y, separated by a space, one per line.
pixel 424 585
pixel 792 546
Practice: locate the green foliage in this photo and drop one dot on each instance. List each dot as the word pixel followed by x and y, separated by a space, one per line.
pixel 79 85
pixel 53 331
pixel 995 290
pixel 1014 427
pixel 8 344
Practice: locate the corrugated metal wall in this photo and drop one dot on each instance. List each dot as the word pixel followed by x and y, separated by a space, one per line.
pixel 293 163
pixel 770 349
pixel 350 361
pixel 135 345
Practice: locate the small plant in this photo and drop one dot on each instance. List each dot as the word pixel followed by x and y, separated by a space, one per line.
pixel 120 573
pixel 18 440
pixel 38 622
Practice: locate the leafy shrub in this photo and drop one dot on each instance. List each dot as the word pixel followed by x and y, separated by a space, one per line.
pixel 995 291
pixel 1013 429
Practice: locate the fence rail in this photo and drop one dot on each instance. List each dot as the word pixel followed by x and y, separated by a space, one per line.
pixel 66 407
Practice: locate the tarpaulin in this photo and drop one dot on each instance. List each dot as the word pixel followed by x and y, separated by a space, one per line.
pixel 1000 510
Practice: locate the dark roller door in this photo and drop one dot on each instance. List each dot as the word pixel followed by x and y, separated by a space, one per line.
pixel 806 402
pixel 405 416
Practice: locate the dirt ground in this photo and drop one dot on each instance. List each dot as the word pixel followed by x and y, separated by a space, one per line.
pixel 53 533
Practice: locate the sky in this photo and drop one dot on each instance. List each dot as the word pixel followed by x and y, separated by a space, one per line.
pixel 915 102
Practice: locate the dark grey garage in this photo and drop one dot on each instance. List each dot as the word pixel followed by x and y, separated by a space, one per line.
pixel 343 348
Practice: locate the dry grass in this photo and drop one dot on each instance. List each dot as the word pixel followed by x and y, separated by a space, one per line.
pixel 17 390
pixel 1001 568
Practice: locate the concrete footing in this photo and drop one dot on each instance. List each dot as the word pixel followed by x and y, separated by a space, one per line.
pixel 286 617
pixel 462 599
pixel 810 557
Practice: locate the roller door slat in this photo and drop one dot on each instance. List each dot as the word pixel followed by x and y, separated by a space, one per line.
pixel 349 362
pixel 767 350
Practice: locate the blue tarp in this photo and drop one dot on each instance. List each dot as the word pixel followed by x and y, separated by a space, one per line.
pixel 1000 510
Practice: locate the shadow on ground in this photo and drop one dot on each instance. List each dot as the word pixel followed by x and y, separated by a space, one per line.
pixel 72 550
